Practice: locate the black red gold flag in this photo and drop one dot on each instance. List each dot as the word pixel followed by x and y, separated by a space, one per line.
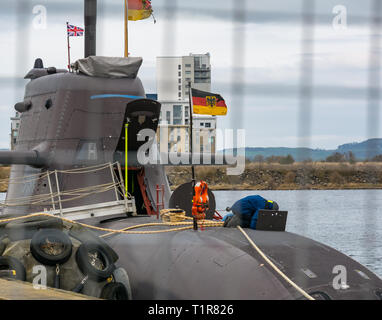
pixel 208 103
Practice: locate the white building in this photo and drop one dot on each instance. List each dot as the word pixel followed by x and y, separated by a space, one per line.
pixel 174 74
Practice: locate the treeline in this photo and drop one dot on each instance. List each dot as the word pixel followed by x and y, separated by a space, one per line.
pixel 274 159
pixel 335 157
pixel 351 158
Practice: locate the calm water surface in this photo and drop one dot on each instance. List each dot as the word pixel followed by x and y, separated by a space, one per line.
pixel 347 220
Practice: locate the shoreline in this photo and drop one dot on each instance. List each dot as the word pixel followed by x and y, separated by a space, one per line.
pixel 297 188
pixel 274 176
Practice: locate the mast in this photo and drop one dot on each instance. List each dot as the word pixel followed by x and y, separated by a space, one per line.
pixel 195 222
pixel 126 28
pixel 67 34
pixel 191 134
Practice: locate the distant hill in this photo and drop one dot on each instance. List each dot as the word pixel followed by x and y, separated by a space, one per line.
pixel 362 150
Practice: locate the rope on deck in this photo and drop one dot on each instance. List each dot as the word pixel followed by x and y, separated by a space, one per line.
pixel 299 289
pixel 187 225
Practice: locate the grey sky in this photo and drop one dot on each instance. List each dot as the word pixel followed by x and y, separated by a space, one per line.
pixel 270 62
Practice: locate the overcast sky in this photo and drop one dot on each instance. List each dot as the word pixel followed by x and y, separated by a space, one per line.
pixel 256 55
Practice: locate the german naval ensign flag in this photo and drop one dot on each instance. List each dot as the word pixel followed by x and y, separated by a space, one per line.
pixel 208 103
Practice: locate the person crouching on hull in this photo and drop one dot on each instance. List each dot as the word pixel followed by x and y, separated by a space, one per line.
pixel 246 211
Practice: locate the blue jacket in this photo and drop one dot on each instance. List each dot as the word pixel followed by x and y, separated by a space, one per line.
pixel 248 208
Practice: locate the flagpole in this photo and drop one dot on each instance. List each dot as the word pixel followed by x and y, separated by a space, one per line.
pixel 67 34
pixel 191 133
pixel 191 152
pixel 126 29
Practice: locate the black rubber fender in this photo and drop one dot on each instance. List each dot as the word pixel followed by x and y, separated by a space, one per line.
pixel 319 295
pixel 10 263
pixel 3 245
pixel 53 235
pixel 85 235
pixel 25 229
pixel 114 291
pixel 2 248
pixel 120 275
pixel 83 261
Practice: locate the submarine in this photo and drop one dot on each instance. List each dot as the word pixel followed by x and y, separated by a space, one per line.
pixel 68 179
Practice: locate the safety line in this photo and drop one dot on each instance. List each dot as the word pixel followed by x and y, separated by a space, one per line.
pixel 124 231
pixel 299 289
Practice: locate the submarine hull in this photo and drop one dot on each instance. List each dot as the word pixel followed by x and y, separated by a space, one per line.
pixel 219 263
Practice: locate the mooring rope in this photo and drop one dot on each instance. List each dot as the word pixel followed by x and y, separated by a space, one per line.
pixel 188 225
pixel 299 289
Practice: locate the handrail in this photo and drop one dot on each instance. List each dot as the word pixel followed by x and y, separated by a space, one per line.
pixel 54 198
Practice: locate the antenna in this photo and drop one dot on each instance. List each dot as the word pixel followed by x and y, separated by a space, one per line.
pixel 90 17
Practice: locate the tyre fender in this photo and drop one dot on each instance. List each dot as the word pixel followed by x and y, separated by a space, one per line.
pixel 114 291
pixel 10 263
pixel 53 235
pixel 86 267
pixel 120 275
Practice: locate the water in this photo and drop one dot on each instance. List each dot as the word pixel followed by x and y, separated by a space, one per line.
pixel 347 220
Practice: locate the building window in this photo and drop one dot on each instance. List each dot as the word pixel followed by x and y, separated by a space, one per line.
pixel 197 80
pixel 179 74
pixel 197 62
pixel 177 115
pixel 188 65
pixel 188 72
pixel 179 94
pixel 180 88
pixel 208 125
pixel 179 67
pixel 202 124
pixel 179 80
pixel 168 117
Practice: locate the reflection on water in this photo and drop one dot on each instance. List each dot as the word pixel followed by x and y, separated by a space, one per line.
pixel 347 220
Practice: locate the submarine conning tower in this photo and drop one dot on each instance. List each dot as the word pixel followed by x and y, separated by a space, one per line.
pixel 76 119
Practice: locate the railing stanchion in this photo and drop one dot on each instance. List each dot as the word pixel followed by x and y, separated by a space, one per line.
pixel 122 184
pixel 115 185
pixel 51 190
pixel 58 193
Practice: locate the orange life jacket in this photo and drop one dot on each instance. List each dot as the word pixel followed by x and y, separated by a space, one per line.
pixel 200 200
